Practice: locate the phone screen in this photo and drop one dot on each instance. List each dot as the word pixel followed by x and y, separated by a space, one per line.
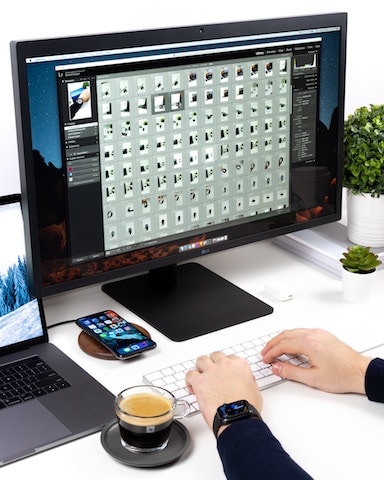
pixel 121 337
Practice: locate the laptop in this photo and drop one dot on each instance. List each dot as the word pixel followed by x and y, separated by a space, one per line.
pixel 46 399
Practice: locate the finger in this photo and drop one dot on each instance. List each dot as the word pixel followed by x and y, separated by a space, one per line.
pixel 202 363
pixel 190 378
pixel 216 356
pixel 290 346
pixel 297 374
pixel 285 335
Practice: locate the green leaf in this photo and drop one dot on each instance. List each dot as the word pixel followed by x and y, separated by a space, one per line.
pixel 363 145
pixel 360 259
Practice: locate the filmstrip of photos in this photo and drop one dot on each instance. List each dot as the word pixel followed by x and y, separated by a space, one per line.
pixel 186 149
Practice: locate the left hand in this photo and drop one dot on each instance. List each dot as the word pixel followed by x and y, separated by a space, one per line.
pixel 219 379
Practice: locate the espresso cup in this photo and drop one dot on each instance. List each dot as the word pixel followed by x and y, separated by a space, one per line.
pixel 145 414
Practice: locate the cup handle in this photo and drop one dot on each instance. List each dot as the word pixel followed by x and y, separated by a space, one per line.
pixel 183 409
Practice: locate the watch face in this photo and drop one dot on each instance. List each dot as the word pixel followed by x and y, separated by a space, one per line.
pixel 231 411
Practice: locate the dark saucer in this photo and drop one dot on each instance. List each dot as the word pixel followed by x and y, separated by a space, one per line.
pixel 178 443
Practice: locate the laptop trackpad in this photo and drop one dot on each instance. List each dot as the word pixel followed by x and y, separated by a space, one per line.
pixel 43 428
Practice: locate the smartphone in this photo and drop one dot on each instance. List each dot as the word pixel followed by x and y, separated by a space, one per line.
pixel 119 336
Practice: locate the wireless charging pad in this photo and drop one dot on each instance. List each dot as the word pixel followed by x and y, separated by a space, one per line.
pixel 92 347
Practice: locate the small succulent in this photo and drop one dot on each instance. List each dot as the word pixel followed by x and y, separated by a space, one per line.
pixel 359 259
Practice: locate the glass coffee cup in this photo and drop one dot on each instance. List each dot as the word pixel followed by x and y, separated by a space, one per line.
pixel 145 414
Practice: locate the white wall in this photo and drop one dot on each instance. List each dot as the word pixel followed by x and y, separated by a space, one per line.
pixel 42 18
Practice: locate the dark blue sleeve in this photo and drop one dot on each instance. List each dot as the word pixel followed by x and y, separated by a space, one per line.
pixel 374 380
pixel 249 450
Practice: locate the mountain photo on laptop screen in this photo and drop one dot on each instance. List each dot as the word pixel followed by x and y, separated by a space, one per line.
pixel 19 310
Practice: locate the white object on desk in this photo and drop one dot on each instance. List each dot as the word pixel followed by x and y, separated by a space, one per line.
pixel 357 287
pixel 172 377
pixel 279 290
pixel 323 246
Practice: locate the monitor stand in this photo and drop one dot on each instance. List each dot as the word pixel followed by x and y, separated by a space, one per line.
pixel 186 301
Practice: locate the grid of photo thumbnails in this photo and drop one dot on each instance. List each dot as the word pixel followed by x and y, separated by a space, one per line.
pixel 186 148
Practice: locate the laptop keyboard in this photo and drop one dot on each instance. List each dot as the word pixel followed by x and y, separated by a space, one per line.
pixel 27 379
pixel 172 377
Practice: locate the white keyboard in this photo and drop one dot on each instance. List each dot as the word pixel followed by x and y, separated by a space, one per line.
pixel 172 377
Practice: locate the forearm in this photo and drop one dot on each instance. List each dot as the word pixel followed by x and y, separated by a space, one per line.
pixel 248 449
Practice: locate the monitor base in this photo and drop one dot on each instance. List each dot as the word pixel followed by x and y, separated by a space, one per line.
pixel 195 302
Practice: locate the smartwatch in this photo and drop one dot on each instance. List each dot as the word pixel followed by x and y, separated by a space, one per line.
pixel 232 412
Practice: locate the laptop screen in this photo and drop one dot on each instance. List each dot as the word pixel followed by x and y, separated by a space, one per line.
pixel 20 313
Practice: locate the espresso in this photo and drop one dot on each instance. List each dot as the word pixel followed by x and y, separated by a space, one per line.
pixel 145 420
pixel 145 441
pixel 144 405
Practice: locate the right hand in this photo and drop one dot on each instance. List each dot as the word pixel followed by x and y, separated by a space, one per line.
pixel 333 366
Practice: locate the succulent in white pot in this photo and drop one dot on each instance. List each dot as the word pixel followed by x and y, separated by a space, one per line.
pixel 359 266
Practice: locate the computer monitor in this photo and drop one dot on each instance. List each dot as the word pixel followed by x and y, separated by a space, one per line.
pixel 142 150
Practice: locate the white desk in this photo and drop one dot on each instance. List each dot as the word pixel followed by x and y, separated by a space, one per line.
pixel 331 436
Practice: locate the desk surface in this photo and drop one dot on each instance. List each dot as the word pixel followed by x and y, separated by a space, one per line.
pixel 331 436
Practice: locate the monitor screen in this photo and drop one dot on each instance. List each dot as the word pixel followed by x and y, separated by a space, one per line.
pixel 142 150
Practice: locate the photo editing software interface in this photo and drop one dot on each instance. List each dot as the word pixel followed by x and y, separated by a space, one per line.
pixel 184 141
pixel 140 151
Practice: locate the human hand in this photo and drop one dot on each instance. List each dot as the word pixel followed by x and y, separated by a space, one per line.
pixel 85 95
pixel 334 366
pixel 219 379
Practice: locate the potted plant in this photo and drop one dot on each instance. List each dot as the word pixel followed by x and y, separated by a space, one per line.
pixel 359 264
pixel 363 146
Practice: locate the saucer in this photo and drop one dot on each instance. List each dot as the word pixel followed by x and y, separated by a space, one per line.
pixel 178 443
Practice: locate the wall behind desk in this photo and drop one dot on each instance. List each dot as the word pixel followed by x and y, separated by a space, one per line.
pixel 42 18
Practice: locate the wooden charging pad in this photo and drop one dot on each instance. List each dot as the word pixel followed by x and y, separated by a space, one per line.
pixel 95 349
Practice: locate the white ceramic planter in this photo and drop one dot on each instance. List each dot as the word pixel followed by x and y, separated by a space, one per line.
pixel 365 220
pixel 357 287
